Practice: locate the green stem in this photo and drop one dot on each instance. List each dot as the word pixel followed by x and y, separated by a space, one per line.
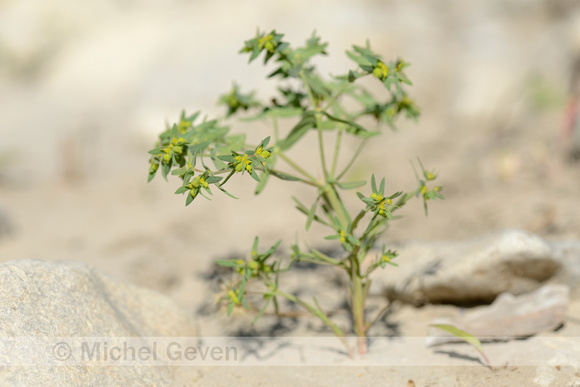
pixel 275 127
pixel 336 150
pixel 321 145
pixel 353 159
pixel 227 178
pixel 294 177
pixel 320 258
pixel 308 90
pixel 318 122
pixel 378 316
pixel 337 206
pixel 299 169
pixel 358 304
pixel 360 215
pixel 318 313
pixel 335 96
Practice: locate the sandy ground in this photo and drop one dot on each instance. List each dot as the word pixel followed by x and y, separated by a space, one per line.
pixel 75 193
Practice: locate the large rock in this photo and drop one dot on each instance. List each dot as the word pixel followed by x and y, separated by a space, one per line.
pixel 472 271
pixel 71 300
pixel 509 317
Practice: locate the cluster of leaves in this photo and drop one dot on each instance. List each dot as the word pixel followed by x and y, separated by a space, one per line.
pixel 181 146
pixel 254 267
pixel 316 104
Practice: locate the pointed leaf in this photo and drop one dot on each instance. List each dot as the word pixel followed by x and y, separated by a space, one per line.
pixel 283 176
pixel 226 192
pixel 227 263
pixel 300 129
pixel 352 184
pixel 181 190
pixel 179 171
pixel 463 336
pixel 311 214
pixel 188 200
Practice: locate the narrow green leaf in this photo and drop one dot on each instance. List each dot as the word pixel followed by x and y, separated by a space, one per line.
pixel 299 205
pixel 255 175
pixel 226 192
pixel 352 76
pixel 188 200
pixel 311 214
pixel 261 312
pixel 282 112
pixel 228 158
pixel 197 148
pixel 307 122
pixel 284 176
pixel 181 190
pixel 374 184
pixel 263 180
pixel 353 128
pixel 165 168
pixel 227 263
pixel 213 179
pixel 272 249
pixel 179 171
pixel 463 336
pixel 352 184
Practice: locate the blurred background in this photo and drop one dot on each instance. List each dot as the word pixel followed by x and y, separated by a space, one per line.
pixel 85 87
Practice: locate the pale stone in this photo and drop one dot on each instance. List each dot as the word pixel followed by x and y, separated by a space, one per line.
pixel 509 316
pixel 471 271
pixel 70 299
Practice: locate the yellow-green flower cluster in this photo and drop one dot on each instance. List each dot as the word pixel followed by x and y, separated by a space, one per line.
pixel 425 191
pixel 242 162
pixel 196 184
pixel 382 204
pixel 381 70
pixel 175 147
pixel 262 152
pixel 267 42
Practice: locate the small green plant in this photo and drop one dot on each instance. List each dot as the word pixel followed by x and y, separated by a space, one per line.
pixel 316 104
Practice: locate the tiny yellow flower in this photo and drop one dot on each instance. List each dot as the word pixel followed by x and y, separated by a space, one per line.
pixel 266 42
pixel 382 208
pixel 263 153
pixel 234 297
pixel 253 265
pixel 381 70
